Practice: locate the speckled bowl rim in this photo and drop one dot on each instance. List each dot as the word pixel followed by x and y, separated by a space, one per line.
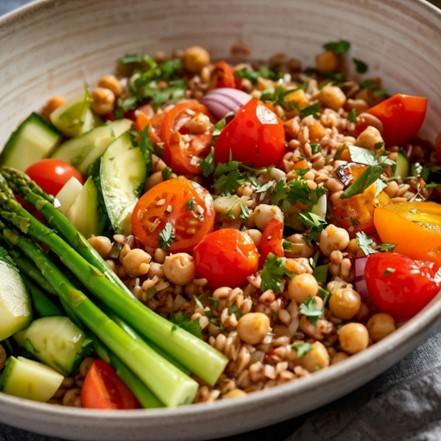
pixel 416 331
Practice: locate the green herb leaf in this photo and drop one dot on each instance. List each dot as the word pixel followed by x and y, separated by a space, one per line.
pixel 147 149
pixel 230 177
pixel 314 223
pixel 190 204
pixel 386 247
pixel 313 109
pixel 207 164
pixel 388 271
pixel 166 236
pixel 273 272
pixel 366 243
pixel 166 173
pixel 183 321
pixel 352 116
pixel 368 177
pixel 338 47
pixel 309 309
pixel 320 273
pixel 244 211
pixel 302 348
pixel 360 66
pixel 253 75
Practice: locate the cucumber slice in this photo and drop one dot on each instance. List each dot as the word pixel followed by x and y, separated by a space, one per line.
pixel 15 303
pixel 56 341
pixel 67 195
pixel 33 140
pixel 402 166
pixel 29 379
pixel 75 117
pixel 122 177
pixel 85 212
pixel 83 151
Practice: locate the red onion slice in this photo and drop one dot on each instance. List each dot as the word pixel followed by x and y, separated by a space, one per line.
pixel 225 100
pixel 360 279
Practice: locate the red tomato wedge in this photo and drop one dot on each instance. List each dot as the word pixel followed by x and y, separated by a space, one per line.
pixel 226 258
pixel 272 240
pixel 184 205
pixel 399 285
pixel 402 117
pixel 103 389
pixel 255 136
pixel 52 174
pixel 183 150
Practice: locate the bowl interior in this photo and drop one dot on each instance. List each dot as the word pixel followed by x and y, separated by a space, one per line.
pixel 52 47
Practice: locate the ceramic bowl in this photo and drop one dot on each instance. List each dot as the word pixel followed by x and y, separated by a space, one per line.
pixel 53 47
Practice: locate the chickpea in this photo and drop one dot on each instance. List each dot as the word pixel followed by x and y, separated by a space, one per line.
pixel 302 286
pixel 52 104
pixel 353 337
pixel 333 238
pixel 344 303
pixel 333 97
pixel 112 83
pixel 327 61
pixel 179 268
pixel 369 138
pixel 339 356
pixel 85 366
pixel 235 393
pixel 72 397
pixel 102 244
pixel 263 213
pixel 255 235
pixel 136 262
pixel 317 358
pixel 196 58
pixel 103 101
pixel 380 325
pixel 253 327
pixel 200 123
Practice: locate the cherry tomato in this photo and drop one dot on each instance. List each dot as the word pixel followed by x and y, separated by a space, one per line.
pixel 52 174
pixel 399 285
pixel 356 213
pixel 182 153
pixel 415 228
pixel 255 136
pixel 272 240
pixel 185 205
pixel 226 257
pixel 222 75
pixel 402 117
pixel 103 389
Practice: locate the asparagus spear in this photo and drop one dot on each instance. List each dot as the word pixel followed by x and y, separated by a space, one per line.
pixel 165 380
pixel 43 306
pixel 190 351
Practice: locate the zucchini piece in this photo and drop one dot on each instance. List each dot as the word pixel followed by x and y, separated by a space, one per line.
pixel 83 151
pixel 15 303
pixel 75 117
pixel 402 167
pixel 122 177
pixel 55 341
pixel 68 194
pixel 33 140
pixel 29 379
pixel 85 212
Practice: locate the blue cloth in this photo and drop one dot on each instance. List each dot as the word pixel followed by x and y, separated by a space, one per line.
pixel 403 404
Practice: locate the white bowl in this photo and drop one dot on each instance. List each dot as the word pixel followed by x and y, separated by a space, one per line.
pixel 53 46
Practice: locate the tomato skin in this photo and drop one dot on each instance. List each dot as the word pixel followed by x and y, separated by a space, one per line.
pixel 190 225
pixel 52 174
pixel 272 240
pixel 223 75
pixel 255 136
pixel 103 389
pixel 402 117
pixel 415 228
pixel 226 257
pixel 399 285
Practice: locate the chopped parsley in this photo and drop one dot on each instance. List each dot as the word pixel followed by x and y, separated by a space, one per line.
pixel 190 204
pixel 388 271
pixel 312 109
pixel 314 223
pixel 273 272
pixel 338 47
pixel 374 87
pixel 183 321
pixel 302 348
pixel 207 164
pixel 244 211
pixel 253 75
pixel 278 95
pixel 369 246
pixel 309 309
pixel 166 236
pixel 320 273
pixel 228 177
pixel 352 116
pixel 166 173
pixel 360 66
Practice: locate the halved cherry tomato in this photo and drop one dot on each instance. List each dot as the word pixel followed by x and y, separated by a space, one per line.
pixel 222 75
pixel 226 257
pixel 52 174
pixel 186 205
pixel 415 227
pixel 183 153
pixel 103 389
pixel 356 213
pixel 255 136
pixel 272 240
pixel 399 285
pixel 402 117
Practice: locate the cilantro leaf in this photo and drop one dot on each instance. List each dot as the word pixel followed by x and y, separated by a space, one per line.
pixel 386 247
pixel 253 75
pixel 314 223
pixel 273 272
pixel 309 309
pixel 183 321
pixel 338 47
pixel 320 273
pixel 312 109
pixel 166 236
pixel 365 243
pixel 207 164
pixel 360 66
pixel 368 177
pixel 230 177
pixel 302 348
pixel 352 116
pixel 190 204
